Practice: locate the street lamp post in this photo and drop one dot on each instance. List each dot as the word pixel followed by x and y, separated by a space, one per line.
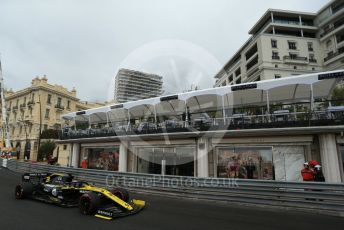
pixel 40 123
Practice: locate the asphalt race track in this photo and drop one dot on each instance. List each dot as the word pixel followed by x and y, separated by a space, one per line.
pixel 161 213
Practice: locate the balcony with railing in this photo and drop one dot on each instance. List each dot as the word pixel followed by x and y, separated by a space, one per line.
pixel 340 38
pixel 293 21
pixel 307 23
pixel 295 59
pixel 313 60
pixel 15 108
pixel 335 26
pixel 338 7
pixel 23 106
pixel 296 102
pixel 28 118
pixel 59 107
pixel 253 62
pixel 30 104
pixel 275 57
pixel 289 22
pixel 326 31
pixel 333 55
pixel 251 53
pixel 278 118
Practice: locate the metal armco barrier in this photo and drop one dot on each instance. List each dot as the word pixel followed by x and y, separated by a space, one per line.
pixel 324 198
pixel 4 163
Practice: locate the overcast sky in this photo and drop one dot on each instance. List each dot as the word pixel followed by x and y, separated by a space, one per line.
pixel 83 43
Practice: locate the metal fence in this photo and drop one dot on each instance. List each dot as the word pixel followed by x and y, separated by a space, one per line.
pixel 278 119
pixel 325 198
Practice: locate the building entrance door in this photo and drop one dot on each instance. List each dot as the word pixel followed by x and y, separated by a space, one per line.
pixel 166 161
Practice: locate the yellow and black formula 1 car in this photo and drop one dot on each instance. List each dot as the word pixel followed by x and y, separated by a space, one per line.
pixel 63 190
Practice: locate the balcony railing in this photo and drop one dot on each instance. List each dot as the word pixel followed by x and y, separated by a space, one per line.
pixel 30 103
pixel 275 57
pixel 14 108
pixel 290 22
pixel 295 58
pixel 313 60
pixel 340 39
pixel 332 55
pixel 277 119
pixel 59 107
pixel 23 106
pixel 329 30
pixel 326 31
pixel 337 8
pixel 307 23
pixel 28 118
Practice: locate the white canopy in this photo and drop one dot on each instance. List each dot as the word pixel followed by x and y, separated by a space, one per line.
pixel 290 89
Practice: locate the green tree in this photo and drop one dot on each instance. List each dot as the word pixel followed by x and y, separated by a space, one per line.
pixel 338 96
pixel 50 134
pixel 46 149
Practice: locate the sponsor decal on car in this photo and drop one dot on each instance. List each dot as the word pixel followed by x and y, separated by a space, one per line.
pixel 104 213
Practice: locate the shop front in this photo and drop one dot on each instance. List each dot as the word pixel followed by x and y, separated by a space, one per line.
pixel 265 158
pixel 101 158
pixel 245 162
pixel 172 160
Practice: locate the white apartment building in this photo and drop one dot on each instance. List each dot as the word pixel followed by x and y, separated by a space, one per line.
pixel 131 85
pixel 285 43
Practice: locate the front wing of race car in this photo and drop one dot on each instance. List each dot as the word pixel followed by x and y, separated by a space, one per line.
pixel 110 212
pixel 117 207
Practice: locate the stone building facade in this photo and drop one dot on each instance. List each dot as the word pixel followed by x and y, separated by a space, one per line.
pixel 38 107
pixel 286 43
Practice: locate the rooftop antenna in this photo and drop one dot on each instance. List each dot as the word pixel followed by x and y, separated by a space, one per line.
pixel 5 127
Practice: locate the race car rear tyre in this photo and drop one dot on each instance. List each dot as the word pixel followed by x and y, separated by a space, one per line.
pixel 89 203
pixel 121 193
pixel 23 190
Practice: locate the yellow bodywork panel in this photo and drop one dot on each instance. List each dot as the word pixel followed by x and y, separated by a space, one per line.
pixel 103 217
pixel 105 193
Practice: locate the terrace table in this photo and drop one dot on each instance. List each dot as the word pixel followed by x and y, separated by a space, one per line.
pixel 281 115
pixel 335 108
pixel 170 123
pixel 335 112
pixel 240 118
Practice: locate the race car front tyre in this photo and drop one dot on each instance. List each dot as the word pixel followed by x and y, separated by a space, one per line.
pixel 121 193
pixel 23 190
pixel 89 203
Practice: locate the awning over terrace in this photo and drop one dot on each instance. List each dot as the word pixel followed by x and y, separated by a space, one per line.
pixel 285 90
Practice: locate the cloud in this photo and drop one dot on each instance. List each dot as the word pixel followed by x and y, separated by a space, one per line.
pixel 83 43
